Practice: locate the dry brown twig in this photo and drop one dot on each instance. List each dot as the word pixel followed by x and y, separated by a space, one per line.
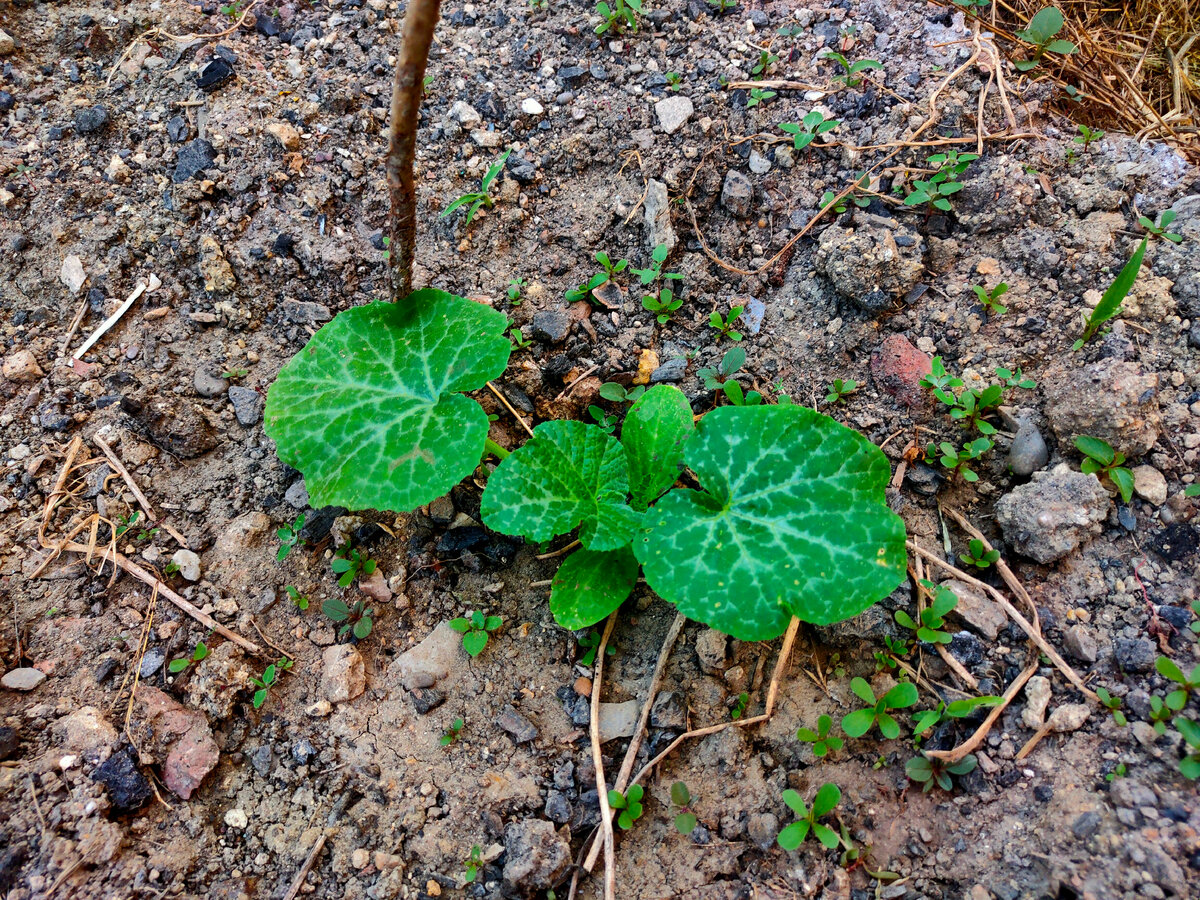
pixel 598 762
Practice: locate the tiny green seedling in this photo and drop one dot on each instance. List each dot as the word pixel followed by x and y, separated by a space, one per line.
pixel 674 81
pixel 629 804
pixel 792 836
pixel 178 665
pixel 734 359
pixel 990 299
pixel 474 861
pixel 1159 229
pixel 852 72
pixel 929 772
pixel 125 524
pixel 1120 771
pixel 941 382
pixel 289 537
pixel 1160 715
pixel 618 15
pixel 591 643
pixel 823 742
pixel 585 290
pixel 956 460
pixel 758 95
pixel 739 708
pixel 648 275
pixel 475 630
pixel 856 196
pixel 1109 306
pixel 514 290
pixel 889 657
pixel 1188 684
pixel 1193 490
pixel 971 407
pixel 1190 764
pixel 235 373
pixel 356 616
pixel 520 342
pixel 606 422
pixel 724 326
pixel 270 678
pixel 859 722
pixel 977 556
pixel 171 568
pixel 618 393
pixel 1041 32
pixel 959 709
pixel 349 563
pixel 766 61
pixel 932 617
pixel 1087 136
pixel 481 197
pixel 840 389
pixel 720 7
pixel 451 734
pixel 1101 459
pixel 1015 379
pixel 809 128
pixel 1112 704
pixel 935 191
pixel 662 305
pixel 300 601
pixel 681 799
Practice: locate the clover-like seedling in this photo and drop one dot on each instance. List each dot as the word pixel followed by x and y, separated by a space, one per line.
pixel 1112 704
pixel 941 382
pixel 481 197
pixel 1102 460
pixel 300 601
pixel 451 733
pixel 856 196
pixel 681 799
pixel 618 15
pixel 349 563
pixel 889 658
pixel 859 722
pixel 178 665
pixel 840 389
pixel 591 643
pixel 977 556
pixel 758 95
pixel 823 742
pixel 809 128
pixel 1188 684
pixel 957 460
pixel 289 537
pixel 766 60
pixel 734 359
pixel 356 616
pixel 1041 32
pixel 1015 378
pixel 629 804
pixel 929 772
pixel 472 863
pixel 1119 771
pixel 662 304
pixel 990 299
pixel 852 72
pixel 520 342
pixel 1160 714
pixel 792 836
pixel 739 707
pixel 618 393
pixel 1087 136
pixel 932 617
pixel 270 678
pixel 724 325
pixel 1159 229
pixel 514 290
pixel 1190 730
pixel 959 709
pixel 603 420
pixel 475 629
pixel 1109 306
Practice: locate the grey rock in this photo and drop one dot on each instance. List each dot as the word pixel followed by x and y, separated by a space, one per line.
pixel 464 114
pixel 535 855
pixel 1086 824
pixel 303 751
pixel 296 496
pixel 96 479
pixel 670 371
pixel 1137 702
pixel 673 112
pixel 24 679
pixel 551 326
pixel 91 119
pixel 430 661
pixel 343 673
pixel 558 807
pixel 178 129
pixel 618 720
pixel 1135 654
pixel 658 217
pixel 967 649
pixel 206 384
pixel 10 742
pixel 668 711
pixel 1110 399
pixel 194 157
pixel 524 171
pixel 976 609
pixel 521 729
pixel 426 700
pixel 762 829
pixel 737 194
pixel 871 264
pixel 263 760
pixel 710 649
pixel 1028 452
pixel 869 626
pixel 1053 514
pixel 1131 794
pixel 152 661
pixel 247 405
pixel 1079 642
pixel 305 313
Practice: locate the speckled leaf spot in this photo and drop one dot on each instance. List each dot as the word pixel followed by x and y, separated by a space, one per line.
pixel 653 436
pixel 368 410
pixel 568 474
pixel 590 584
pixel 792 520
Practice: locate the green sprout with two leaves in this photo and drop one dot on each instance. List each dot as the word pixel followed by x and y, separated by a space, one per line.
pixel 759 95
pixel 349 563
pixel 591 643
pixel 859 196
pixel 475 629
pixel 990 299
pixel 766 61
pixel 930 771
pixel 662 305
pixel 481 197
pixel 879 709
pixel 930 620
pixel 618 15
pixel 959 460
pixel 681 799
pixel 725 325
pixel 289 537
pixel 1112 704
pixel 822 741
pixel 1159 229
pixel 840 389
pixel 178 665
pixel 809 128
pixel 298 599
pixel 618 393
pixel 269 679
pixel 1042 32
pixel 353 617
pixel 1101 460
pixel 851 74
pixel 959 709
pixel 453 730
pixel 586 290
pixel 473 862
pixel 792 836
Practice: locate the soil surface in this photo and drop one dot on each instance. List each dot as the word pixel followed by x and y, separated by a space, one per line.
pixel 236 172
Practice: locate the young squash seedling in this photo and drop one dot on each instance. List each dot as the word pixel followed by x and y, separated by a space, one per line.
pixel 453 730
pixel 739 708
pixel 878 711
pixel 929 772
pixel 662 305
pixel 481 197
pixel 591 643
pixel 1099 458
pixel 1087 136
pixel 270 678
pixel 957 461
pixel 356 616
pixel 959 709
pixel 1112 704
pixel 475 630
pixel 1041 32
pixel 681 799
pixel 839 390
pixel 766 61
pixel 349 564
pixel 1188 684
pixel 852 72
pixel 977 556
pixel 289 537
pixel 178 665
pixel 618 393
pixel 1109 306
pixel 809 128
pixel 298 599
pixel 933 617
pixel 823 742
pixel 629 804
pixel 724 326
pixel 792 836
pixel 990 299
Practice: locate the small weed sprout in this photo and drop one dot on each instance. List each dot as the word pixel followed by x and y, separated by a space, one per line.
pixel 840 389
pixel 289 537
pixel 941 382
pixel 809 128
pixel 681 799
pixel 972 406
pixel 758 95
pixel 929 772
pixel 662 305
pixel 724 326
pixel 178 665
pixel 1112 704
pixel 958 460
pixel 862 183
pixel 481 197
pixel 514 290
pixel 125 524
pixel 959 709
pixel 601 418
pixel 990 299
pixel 475 629
pixel 933 617
pixel 629 804
pixel 935 191
pixel 1099 458
pixel 1109 306
pixel 591 643
pixel 739 708
pixel 1015 379
pixel 473 862
pixel 977 556
pixel 972 4
pixel 1041 32
pixel 766 61
pixel 878 710
pixel 1159 229
pixel 734 359
pixel 674 81
pixel 654 270
pixel 520 342
pixel 889 657
pixel 270 678
pixel 1120 771
pixel 300 601
pixel 1160 715
pixel 356 616
pixel 233 374
pixel 1087 137
pixel 792 836
pixel 171 568
pixel 349 563
pixel 451 734
pixel 611 270
pixel 1190 764
pixel 618 15
pixel 852 72
pixel 618 393
pixel 823 742
pixel 1188 684
pixel 720 7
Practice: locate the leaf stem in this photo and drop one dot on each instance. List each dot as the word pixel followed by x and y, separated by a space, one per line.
pixel 490 446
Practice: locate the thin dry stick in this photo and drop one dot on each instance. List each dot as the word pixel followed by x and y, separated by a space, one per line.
pixel 567 390
pixel 408 89
pixel 120 469
pixel 598 761
pixel 553 554
pixel 509 407
pixel 966 677
pixel 959 752
pixel 1002 567
pixel 298 881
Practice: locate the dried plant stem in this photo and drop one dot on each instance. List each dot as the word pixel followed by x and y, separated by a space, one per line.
pixel 958 753
pixel 598 761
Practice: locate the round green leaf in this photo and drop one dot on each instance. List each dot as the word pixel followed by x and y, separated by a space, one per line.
pixel 590 584
pixel 795 802
pixel 858 722
pixel 653 436
pixel 568 474
pixel 793 836
pixel 828 796
pixel 685 823
pixel 474 642
pixel 792 521
pixel 369 409
pixel 902 695
pixel 680 795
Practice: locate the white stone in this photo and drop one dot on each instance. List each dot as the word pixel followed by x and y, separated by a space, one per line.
pixel 7 44
pixel 673 112
pixel 343 674
pixel 188 562
pixel 464 113
pixel 72 274
pixel 237 818
pixel 1150 485
pixel 531 107
pixel 23 679
pixel 759 164
pixel 618 720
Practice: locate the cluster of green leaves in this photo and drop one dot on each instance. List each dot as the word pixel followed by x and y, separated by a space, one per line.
pixel 859 195
pixel 739 707
pixel 1100 459
pixel 990 299
pixel 654 271
pixel 1041 33
pixel 591 643
pixel 840 389
pixel 766 61
pixel 1159 229
pixel 475 630
pixel 809 128
pixel 349 563
pixel 618 393
pixel 959 709
pixel 759 95
pixel 681 799
pixel 878 710
pixel 930 771
pixel 270 678
pixel 126 524
pixel 792 836
pixel 932 617
pixel 178 665
pixel 618 15
pixel 450 735
pixel 851 73
pixel 958 460
pixel 1189 684
pixel 472 864
pixel 970 408
pixel 723 379
pixel 978 556
pixel 889 657
pixel 298 599
pixel 514 290
pixel 586 290
pixel 934 192
pixel 629 804
pixel 1112 704
pixel 356 616
pixel 724 325
pixel 481 197
pixel 823 742
pixel 1087 136
pixel 662 304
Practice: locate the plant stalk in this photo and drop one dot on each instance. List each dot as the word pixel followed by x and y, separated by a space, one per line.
pixel 408 89
pixel 490 446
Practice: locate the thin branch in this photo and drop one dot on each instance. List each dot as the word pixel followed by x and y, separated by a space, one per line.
pixel 598 762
